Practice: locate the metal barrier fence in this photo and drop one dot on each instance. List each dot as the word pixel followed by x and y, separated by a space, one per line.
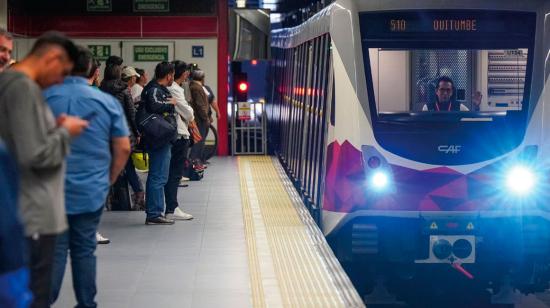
pixel 248 128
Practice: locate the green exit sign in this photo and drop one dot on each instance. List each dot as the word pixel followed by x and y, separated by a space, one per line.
pixel 99 5
pixel 150 53
pixel 154 6
pixel 100 52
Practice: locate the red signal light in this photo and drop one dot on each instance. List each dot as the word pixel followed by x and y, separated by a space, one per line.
pixel 243 86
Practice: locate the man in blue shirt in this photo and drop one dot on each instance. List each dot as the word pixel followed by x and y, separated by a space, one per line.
pixel 96 159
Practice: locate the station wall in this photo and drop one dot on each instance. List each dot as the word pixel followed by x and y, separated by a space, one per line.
pixel 4 14
pixel 180 49
pixel 183 32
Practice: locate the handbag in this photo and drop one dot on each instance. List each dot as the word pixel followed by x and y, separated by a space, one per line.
pixel 194 132
pixel 155 129
pixel 140 160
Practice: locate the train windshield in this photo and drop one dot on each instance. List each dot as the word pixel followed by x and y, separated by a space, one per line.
pixel 439 77
pixel 447 84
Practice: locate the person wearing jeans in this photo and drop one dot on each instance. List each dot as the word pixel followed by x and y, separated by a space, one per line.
pixel 80 240
pixel 96 159
pixel 180 146
pixel 39 143
pixel 159 166
pixel 156 99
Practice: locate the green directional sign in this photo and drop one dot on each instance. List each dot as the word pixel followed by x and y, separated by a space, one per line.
pixel 99 5
pixel 100 52
pixel 154 6
pixel 150 53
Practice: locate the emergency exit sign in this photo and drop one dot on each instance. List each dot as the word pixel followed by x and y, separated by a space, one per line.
pixel 144 6
pixel 150 53
pixel 99 6
pixel 100 52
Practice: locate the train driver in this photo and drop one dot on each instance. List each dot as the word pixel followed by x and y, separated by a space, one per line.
pixel 446 98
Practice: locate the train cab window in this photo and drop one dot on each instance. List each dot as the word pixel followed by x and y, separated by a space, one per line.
pixel 410 81
pixel 487 60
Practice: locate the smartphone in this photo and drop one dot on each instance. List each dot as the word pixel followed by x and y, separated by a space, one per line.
pixel 90 116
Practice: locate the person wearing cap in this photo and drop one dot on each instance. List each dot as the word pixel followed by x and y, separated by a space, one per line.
pixel 137 88
pixel 130 77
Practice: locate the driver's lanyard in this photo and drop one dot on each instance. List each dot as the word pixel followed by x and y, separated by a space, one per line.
pixel 437 107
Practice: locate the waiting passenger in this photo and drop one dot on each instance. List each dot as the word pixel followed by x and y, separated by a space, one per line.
pixel 113 84
pixel 180 147
pixel 199 102
pixel 446 98
pixel 97 157
pixel 156 99
pixel 137 88
pixel 212 105
pixel 93 78
pixel 130 76
pixel 185 84
pixel 114 60
pixel 39 144
pixel 6 47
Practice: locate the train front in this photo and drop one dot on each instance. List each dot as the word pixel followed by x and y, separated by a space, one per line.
pixel 450 174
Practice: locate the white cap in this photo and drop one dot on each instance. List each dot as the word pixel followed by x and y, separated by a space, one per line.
pixel 129 71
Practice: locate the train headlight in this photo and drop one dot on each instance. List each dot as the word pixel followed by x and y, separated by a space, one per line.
pixel 520 180
pixel 380 180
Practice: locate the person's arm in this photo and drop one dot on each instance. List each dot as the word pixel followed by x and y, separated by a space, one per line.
pixel 214 105
pixel 36 145
pixel 120 149
pixel 476 100
pixel 182 107
pixel 155 105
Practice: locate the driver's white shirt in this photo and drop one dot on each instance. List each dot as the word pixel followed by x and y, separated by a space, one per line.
pixel 462 108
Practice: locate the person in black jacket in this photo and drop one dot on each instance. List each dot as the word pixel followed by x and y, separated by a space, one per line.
pixel 156 99
pixel 113 84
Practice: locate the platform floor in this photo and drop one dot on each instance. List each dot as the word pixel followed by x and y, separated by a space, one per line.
pixel 256 249
pixel 197 263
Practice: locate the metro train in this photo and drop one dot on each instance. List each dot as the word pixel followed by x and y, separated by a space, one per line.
pixel 416 186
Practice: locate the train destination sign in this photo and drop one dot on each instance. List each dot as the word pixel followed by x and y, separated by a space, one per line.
pixel 464 25
pixel 445 23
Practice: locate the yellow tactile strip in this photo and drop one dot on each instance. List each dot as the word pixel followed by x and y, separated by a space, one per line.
pixel 286 268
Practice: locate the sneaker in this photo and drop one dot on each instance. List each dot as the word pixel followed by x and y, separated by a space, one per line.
pixel 183 180
pixel 199 167
pixel 159 221
pixel 179 215
pixel 100 239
